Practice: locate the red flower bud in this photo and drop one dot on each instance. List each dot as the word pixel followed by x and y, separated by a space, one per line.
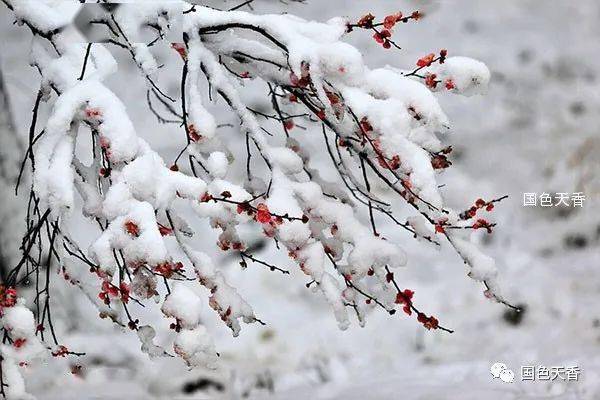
pixel 288 124
pixel 390 20
pixel 426 61
pixel 430 81
pixel 132 228
pixel 180 48
pixel 366 21
pixel 263 215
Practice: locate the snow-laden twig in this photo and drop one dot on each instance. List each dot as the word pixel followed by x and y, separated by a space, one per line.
pixel 383 123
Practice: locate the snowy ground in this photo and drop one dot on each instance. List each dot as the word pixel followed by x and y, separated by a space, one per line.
pixel 529 134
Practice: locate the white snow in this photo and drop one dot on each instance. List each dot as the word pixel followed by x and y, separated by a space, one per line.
pixel 184 305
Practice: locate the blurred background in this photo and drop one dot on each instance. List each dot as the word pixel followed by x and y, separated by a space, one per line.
pixel 537 130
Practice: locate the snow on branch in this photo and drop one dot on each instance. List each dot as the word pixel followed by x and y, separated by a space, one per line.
pixel 381 128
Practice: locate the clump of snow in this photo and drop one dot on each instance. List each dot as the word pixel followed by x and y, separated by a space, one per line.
pixel 144 58
pixel 147 334
pixel 285 159
pixel 19 325
pixel 53 179
pixel 15 384
pixel 196 347
pixel 18 321
pixel 470 77
pixel 46 16
pixel 224 299
pixel 183 305
pixel 481 267
pixel 217 164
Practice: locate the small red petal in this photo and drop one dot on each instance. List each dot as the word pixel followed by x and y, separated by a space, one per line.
pixel 132 228
pixel 263 215
pixel 288 124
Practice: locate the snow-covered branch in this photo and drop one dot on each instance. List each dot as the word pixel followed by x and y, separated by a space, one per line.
pixel 381 128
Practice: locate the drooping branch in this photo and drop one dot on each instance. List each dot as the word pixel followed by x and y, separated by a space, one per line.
pixel 385 151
